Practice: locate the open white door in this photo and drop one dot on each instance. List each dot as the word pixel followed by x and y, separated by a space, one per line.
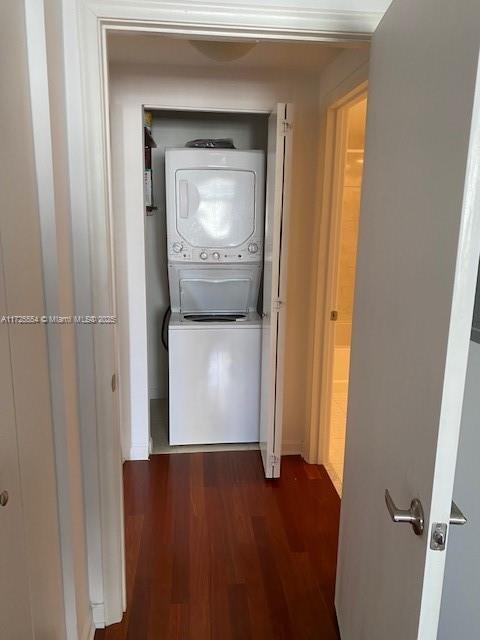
pixel 418 255
pixel 274 286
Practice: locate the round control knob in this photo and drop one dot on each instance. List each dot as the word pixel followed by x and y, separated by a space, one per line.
pixel 203 255
pixel 216 255
pixel 177 247
pixel 253 247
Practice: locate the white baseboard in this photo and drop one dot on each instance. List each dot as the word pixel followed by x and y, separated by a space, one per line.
pixel 138 452
pixel 336 481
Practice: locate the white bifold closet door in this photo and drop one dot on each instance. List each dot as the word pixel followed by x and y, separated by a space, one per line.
pixel 274 286
pixel 418 251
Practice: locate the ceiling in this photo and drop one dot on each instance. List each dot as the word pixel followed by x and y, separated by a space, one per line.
pixel 134 48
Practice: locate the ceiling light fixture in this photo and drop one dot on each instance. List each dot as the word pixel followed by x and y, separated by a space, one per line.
pixel 222 51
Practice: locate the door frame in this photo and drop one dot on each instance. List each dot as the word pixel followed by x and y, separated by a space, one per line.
pixel 86 24
pixel 335 147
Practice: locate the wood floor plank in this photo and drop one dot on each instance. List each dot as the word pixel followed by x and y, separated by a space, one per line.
pixel 216 552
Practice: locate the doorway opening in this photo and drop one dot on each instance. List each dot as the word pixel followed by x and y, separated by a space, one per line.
pixel 185 99
pixel 345 210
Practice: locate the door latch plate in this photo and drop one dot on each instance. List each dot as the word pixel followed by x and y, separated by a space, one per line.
pixel 438 539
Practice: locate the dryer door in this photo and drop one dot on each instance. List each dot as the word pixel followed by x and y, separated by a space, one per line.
pixel 215 207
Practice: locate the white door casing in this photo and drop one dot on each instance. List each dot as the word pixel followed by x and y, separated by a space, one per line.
pixel 418 253
pixel 280 125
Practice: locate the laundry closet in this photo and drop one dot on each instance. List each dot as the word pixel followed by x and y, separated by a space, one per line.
pixel 215 248
pixel 204 236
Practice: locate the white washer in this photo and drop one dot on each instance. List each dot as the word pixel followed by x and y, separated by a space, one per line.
pixel 214 380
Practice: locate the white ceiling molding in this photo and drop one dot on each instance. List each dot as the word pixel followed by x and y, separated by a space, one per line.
pixel 296 22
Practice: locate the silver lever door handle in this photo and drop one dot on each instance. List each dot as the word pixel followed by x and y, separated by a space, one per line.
pixel 413 516
pixel 456 516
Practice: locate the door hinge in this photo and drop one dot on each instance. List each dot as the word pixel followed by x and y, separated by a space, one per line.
pixel 333 315
pixel 274 460
pixel 277 304
pixel 287 126
pixel 114 382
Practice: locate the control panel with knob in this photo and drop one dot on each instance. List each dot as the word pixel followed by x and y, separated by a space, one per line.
pixel 180 251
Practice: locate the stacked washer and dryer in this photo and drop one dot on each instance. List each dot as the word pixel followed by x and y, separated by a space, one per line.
pixel 215 229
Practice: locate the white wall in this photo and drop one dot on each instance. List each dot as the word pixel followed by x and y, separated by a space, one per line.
pixel 171 129
pixel 460 612
pixel 203 88
pixel 45 414
pixel 22 261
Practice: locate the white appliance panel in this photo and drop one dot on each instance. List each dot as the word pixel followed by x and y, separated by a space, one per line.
pixel 214 289
pixel 215 296
pixel 214 393
pixel 215 207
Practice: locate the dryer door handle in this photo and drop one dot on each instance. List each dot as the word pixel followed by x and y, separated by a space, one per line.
pixel 183 198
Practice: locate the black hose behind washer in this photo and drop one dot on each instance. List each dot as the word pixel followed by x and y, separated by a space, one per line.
pixel 166 317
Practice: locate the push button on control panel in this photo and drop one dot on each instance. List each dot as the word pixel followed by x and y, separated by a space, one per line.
pixel 203 255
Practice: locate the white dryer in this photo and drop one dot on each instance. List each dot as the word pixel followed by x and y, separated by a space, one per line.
pixel 214 379
pixel 215 205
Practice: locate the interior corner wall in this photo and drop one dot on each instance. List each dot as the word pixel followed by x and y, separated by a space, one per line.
pixel 132 86
pixel 344 74
pixel 70 471
pixel 46 64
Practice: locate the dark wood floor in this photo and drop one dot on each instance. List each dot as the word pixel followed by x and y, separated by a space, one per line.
pixel 215 551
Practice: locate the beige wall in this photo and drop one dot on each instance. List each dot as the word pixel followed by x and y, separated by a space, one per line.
pixel 22 260
pixel 37 251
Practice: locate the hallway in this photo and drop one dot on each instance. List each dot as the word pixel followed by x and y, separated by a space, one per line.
pixel 215 551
